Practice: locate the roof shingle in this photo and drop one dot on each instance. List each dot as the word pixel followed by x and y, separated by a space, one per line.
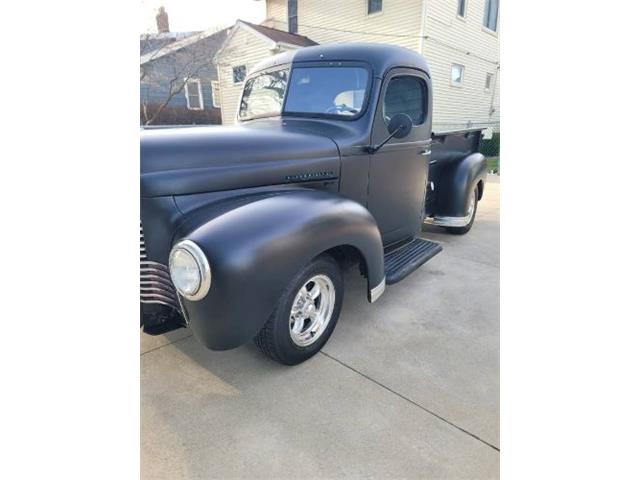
pixel 282 36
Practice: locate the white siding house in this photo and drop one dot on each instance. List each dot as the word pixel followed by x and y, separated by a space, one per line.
pixel 451 39
pixel 327 21
pixel 462 52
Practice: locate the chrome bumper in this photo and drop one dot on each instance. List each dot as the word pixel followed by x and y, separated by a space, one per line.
pixel 449 221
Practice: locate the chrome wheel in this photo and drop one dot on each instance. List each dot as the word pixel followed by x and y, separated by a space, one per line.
pixel 472 207
pixel 312 310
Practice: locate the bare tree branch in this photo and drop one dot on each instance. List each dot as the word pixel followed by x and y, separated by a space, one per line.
pixel 171 73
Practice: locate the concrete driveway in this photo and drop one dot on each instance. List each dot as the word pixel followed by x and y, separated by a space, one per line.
pixel 408 387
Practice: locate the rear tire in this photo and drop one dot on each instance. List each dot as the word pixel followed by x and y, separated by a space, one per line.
pixel 305 315
pixel 467 227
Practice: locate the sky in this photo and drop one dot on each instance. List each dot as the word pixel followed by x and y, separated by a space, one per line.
pixel 190 15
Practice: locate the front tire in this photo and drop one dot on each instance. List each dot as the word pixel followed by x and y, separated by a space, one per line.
pixel 473 208
pixel 305 315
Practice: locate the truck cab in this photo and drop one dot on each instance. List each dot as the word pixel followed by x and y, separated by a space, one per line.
pixel 332 163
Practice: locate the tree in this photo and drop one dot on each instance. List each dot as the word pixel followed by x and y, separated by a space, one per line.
pixel 168 64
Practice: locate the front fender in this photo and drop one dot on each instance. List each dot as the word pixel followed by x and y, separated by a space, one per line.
pixel 256 244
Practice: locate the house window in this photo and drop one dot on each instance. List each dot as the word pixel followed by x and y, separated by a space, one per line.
pixel 456 74
pixel 491 14
pixel 193 92
pixel 292 12
pixel 239 73
pixel 215 94
pixel 374 6
pixel 462 6
pixel 406 94
pixel 487 82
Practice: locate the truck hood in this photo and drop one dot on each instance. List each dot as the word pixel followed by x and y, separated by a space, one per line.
pixel 178 161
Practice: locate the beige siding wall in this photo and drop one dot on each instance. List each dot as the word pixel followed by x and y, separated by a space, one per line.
pixel 316 18
pixel 244 48
pixel 449 38
pixel 277 12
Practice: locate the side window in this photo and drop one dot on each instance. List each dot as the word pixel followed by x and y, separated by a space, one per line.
pixel 374 6
pixel 239 73
pixel 406 94
pixel 292 13
pixel 490 20
pixel 193 92
pixel 488 81
pixel 215 93
pixel 462 7
pixel 263 94
pixel 457 71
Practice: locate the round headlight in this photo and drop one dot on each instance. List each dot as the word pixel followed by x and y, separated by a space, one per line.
pixel 189 270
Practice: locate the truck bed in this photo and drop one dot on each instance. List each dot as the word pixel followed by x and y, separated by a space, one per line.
pixel 448 150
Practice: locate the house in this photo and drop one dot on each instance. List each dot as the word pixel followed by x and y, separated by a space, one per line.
pixel 245 45
pixel 459 38
pixel 178 79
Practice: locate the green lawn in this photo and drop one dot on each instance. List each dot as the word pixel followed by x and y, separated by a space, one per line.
pixel 493 164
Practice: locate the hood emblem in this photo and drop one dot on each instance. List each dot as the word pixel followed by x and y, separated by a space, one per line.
pixel 301 177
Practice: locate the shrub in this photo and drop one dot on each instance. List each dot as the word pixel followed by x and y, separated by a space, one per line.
pixel 182 116
pixel 491 147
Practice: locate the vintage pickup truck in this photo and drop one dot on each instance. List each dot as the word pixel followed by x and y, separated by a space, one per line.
pixel 246 230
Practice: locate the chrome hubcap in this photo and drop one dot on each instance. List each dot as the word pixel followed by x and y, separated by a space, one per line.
pixel 472 206
pixel 312 309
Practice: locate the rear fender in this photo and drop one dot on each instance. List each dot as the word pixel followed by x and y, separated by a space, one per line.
pixel 256 244
pixel 456 183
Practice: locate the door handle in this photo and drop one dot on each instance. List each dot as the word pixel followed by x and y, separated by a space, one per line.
pixel 424 153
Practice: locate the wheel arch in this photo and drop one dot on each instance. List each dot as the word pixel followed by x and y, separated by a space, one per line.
pixel 348 256
pixel 259 244
pixel 480 189
pixel 470 172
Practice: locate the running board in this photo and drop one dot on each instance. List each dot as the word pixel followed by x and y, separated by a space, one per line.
pixel 402 261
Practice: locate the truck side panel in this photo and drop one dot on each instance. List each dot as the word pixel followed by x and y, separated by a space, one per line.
pixel 455 168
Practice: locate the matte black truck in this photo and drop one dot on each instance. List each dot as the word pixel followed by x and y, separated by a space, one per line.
pixel 245 230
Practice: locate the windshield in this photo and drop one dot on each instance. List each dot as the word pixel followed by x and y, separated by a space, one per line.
pixel 312 90
pixel 327 90
pixel 263 94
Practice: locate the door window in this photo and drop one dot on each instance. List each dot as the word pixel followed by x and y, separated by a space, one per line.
pixel 406 94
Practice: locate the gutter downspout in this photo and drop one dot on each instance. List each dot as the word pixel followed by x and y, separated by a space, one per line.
pixel 422 27
pixel 493 94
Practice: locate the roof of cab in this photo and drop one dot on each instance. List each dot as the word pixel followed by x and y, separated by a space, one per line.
pixel 380 56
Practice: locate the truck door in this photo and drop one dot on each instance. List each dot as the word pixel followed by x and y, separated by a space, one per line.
pixel 398 171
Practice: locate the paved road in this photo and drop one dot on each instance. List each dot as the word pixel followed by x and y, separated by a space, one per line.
pixel 405 388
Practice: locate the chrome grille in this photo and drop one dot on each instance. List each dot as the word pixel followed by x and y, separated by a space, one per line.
pixel 143 250
pixel 155 281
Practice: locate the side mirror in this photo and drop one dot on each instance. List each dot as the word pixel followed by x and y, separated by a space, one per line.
pixel 400 125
